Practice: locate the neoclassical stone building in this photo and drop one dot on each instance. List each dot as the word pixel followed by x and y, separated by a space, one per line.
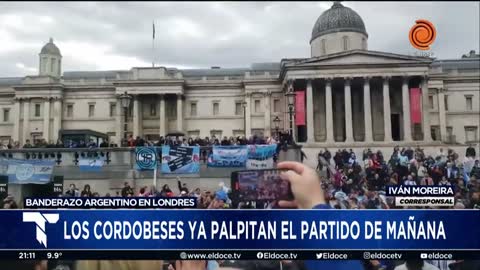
pixel 354 96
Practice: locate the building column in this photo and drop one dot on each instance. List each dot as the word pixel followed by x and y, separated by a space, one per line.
pixel 310 124
pixel 348 111
pixel 387 125
pixel 407 127
pixel 57 118
pixel 163 125
pixel 329 110
pixel 248 125
pixel 267 117
pixel 179 113
pixel 119 123
pixel 16 120
pixel 26 121
pixel 441 115
pixel 367 109
pixel 46 120
pixel 137 116
pixel 427 134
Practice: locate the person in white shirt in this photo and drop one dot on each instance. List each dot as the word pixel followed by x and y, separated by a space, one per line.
pixel 416 265
pixel 410 181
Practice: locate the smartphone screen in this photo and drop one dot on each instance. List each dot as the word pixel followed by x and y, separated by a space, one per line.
pixel 260 185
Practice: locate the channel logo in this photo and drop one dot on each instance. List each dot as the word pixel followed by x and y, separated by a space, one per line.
pixel 40 220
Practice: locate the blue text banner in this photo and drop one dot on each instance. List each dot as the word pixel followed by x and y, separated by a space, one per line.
pixel 222 229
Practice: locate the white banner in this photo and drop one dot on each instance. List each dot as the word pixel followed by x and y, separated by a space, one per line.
pixel 253 164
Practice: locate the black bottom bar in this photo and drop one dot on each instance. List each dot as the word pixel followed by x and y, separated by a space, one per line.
pixel 240 255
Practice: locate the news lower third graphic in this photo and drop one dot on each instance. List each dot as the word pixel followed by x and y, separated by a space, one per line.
pixel 431 196
pixel 289 234
pixel 110 202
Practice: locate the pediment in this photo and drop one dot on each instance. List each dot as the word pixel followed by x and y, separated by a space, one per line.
pixel 360 57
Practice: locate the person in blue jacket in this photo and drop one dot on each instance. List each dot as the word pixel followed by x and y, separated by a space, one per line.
pixel 308 194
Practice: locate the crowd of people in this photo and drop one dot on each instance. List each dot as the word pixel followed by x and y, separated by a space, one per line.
pixel 360 184
pixel 282 138
pixel 349 182
pixel 206 199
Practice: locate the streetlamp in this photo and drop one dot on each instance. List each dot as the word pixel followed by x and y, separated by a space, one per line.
pixel 290 95
pixel 244 104
pixel 276 120
pixel 125 100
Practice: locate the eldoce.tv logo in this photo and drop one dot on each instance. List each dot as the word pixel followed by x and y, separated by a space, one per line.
pixel 40 220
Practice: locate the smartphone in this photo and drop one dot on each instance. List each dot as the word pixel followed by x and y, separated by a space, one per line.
pixel 260 185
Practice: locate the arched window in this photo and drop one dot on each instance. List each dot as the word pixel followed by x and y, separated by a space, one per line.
pixel 324 47
pixel 364 43
pixel 345 43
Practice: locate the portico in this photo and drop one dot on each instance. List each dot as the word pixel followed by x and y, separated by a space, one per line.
pixel 157 106
pixel 360 96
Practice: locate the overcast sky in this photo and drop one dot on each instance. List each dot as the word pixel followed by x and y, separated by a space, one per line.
pixel 106 36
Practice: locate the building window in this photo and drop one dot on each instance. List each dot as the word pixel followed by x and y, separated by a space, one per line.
pixel 193 133
pixel 471 134
pixel 37 110
pixel 216 133
pixel 216 107
pixel 469 101
pixel 257 105
pixel 45 64
pixel 446 102
pixel 324 47
pixel 276 105
pixel 345 43
pixel 430 102
pixel 153 109
pixel 91 110
pixel 238 108
pixel 364 43
pixel 193 109
pixel 113 108
pixel 52 65
pixel 69 110
pixel 435 133
pixel 130 110
pixel 6 115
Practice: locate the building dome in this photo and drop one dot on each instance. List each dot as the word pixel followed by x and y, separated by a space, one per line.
pixel 338 19
pixel 50 48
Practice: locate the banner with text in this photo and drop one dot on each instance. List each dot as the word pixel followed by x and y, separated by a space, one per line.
pixel 21 171
pixel 300 108
pixel 181 159
pixel 240 229
pixel 228 156
pixel 415 105
pixel 260 156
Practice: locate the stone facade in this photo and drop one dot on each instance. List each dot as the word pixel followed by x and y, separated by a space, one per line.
pixel 354 97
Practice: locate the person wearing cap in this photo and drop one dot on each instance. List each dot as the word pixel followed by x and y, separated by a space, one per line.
pixel 220 200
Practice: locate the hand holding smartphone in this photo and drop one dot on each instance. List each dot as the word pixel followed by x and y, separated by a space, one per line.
pixel 260 185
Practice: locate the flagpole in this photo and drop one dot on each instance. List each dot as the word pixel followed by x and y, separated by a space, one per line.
pixel 155 177
pixel 153 45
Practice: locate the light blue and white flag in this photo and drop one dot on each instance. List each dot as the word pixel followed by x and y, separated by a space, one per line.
pixel 22 171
